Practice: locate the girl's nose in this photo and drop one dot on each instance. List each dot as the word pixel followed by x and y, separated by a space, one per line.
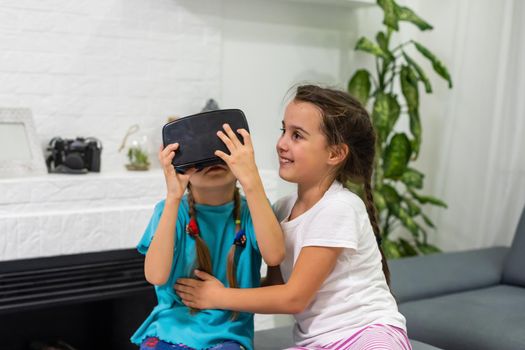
pixel 281 144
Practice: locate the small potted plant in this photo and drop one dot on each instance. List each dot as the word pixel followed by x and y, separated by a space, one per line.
pixel 138 158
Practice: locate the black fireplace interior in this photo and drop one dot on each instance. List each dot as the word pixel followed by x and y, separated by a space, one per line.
pixel 73 302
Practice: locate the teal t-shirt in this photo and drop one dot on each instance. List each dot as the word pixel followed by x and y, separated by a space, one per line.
pixel 171 320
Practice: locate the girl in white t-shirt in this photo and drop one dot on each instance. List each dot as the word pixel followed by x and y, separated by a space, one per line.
pixel 335 278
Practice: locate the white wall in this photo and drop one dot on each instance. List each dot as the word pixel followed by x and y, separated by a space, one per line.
pixel 95 68
pixel 270 46
pixel 480 167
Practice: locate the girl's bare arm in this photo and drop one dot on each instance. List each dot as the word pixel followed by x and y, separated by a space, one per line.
pixel 312 267
pixel 241 161
pixel 267 229
pixel 159 258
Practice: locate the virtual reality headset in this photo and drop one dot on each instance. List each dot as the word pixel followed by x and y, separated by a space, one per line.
pixel 197 137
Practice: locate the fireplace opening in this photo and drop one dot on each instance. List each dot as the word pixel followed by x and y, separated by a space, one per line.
pixel 73 302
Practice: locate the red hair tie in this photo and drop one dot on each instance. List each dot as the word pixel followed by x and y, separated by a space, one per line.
pixel 192 229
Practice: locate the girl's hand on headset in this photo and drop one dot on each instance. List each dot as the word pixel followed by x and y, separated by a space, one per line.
pixel 241 159
pixel 176 183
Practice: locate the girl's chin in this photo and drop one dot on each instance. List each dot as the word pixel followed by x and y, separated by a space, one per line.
pixel 286 174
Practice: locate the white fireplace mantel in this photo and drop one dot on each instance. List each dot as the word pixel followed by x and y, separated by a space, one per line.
pixel 58 214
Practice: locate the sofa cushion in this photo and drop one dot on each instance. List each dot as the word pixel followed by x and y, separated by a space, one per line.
pixel 282 338
pixel 514 273
pixel 489 318
pixel 274 339
pixel 428 276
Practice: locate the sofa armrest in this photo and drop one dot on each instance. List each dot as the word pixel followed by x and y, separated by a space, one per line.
pixel 433 275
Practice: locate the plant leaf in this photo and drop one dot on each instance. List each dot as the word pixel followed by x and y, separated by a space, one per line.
pixel 420 73
pixel 392 198
pixel 382 41
pixel 385 114
pixel 366 45
pixel 438 66
pixel 408 249
pixel 428 248
pixel 359 86
pixel 413 178
pixel 405 14
pixel 428 199
pixel 379 201
pixel 413 208
pixel 391 249
pixel 389 9
pixel 396 156
pixel 409 88
pixel 428 221
pixel 407 221
pixel 415 129
pixel 410 91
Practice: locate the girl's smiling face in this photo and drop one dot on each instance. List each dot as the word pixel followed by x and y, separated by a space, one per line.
pixel 304 155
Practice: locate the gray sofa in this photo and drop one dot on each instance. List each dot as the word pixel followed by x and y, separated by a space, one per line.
pixel 467 300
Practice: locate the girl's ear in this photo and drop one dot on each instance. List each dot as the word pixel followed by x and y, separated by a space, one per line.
pixel 338 154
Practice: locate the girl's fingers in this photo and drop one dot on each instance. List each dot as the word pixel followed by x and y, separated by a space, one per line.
pixel 191 282
pixel 170 148
pixel 223 156
pixel 168 159
pixel 183 289
pixel 227 141
pixel 232 135
pixel 185 297
pixel 246 137
pixel 189 304
pixel 168 153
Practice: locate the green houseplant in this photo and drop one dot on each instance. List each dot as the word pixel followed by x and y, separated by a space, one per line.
pixel 396 182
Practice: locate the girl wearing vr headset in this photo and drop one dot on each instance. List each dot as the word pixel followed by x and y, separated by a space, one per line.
pixel 214 229
pixel 336 278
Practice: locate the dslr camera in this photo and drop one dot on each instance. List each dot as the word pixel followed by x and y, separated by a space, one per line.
pixel 73 156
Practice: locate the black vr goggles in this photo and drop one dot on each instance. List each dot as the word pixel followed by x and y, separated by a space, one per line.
pixel 197 137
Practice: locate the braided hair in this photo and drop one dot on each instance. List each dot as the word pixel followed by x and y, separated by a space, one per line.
pixel 203 258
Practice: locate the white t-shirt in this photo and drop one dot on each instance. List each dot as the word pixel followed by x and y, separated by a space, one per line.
pixel 355 294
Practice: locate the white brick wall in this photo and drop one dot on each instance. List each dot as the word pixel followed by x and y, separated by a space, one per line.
pixel 93 68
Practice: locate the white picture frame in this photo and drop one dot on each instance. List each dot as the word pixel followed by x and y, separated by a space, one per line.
pixel 20 152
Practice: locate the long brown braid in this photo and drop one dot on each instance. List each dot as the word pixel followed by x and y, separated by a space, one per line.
pixel 203 259
pixel 203 262
pixel 346 121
